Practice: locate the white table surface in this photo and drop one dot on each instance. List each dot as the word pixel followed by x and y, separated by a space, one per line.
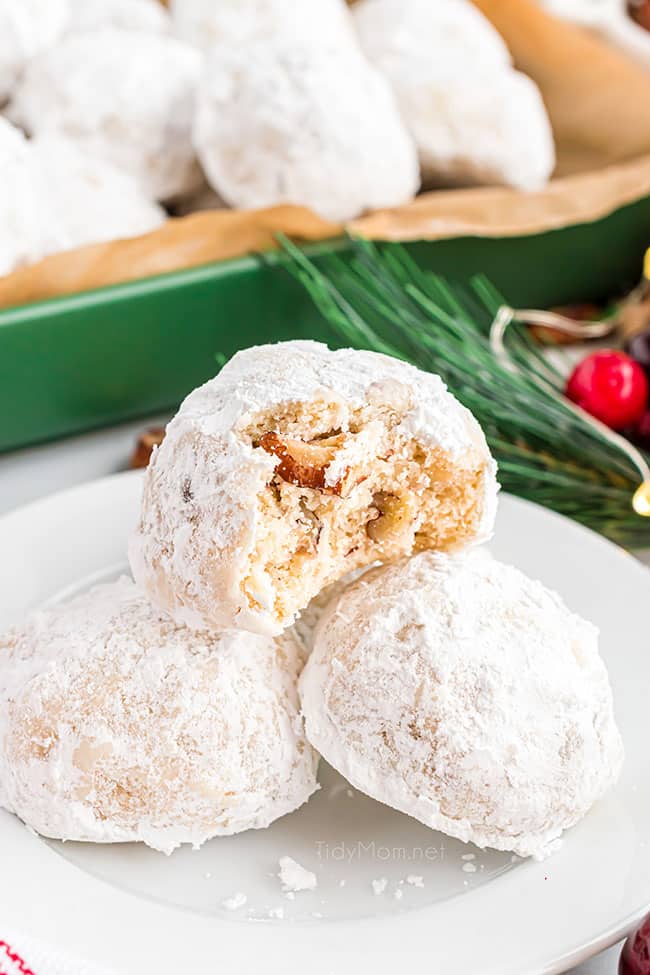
pixel 29 474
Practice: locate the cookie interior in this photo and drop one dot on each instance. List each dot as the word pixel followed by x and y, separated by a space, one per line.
pixel 350 488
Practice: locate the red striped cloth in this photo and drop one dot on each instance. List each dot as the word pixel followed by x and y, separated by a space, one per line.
pixel 24 955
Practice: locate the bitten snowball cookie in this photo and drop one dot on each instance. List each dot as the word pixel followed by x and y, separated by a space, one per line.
pixel 474 119
pixel 462 693
pixel 296 465
pixel 117 725
pixel 27 27
pixel 286 121
pixel 125 96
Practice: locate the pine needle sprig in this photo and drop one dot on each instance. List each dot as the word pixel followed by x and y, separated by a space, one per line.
pixel 380 299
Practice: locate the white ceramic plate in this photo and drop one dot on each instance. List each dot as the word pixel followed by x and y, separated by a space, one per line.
pixel 139 911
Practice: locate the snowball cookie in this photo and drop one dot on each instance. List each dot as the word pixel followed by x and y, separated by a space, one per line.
pixel 117 725
pixel 146 15
pixel 125 96
pixel 610 19
pixel 27 27
pixel 296 465
pixel 287 121
pixel 462 693
pixel 474 119
pixel 85 200
pixel 20 220
pixel 54 196
pixel 206 23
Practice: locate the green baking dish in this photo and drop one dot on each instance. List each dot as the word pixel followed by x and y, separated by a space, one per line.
pixel 75 363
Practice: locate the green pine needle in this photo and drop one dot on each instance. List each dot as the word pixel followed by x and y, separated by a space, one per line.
pixel 380 299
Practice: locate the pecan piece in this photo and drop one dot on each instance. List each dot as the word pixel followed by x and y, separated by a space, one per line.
pixel 144 446
pixel 304 464
pixel 391 519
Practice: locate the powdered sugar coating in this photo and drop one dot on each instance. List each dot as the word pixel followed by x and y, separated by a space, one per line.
pixel 466 695
pixel 429 32
pixel 284 120
pixel 84 199
pixel 19 217
pixel 12 142
pixel 236 23
pixel 198 524
pixel 55 196
pixel 474 119
pixel 118 725
pixel 144 15
pixel 27 27
pixel 125 96
pixel 307 623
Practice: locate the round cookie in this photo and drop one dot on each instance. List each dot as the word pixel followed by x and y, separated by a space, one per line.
pixel 296 465
pixel 473 118
pixel 284 120
pixel 58 197
pixel 85 200
pixel 117 725
pixel 462 693
pixel 124 96
pixel 27 27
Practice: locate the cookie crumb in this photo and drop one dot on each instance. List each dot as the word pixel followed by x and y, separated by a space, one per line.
pixel 235 902
pixel 415 880
pixel 295 877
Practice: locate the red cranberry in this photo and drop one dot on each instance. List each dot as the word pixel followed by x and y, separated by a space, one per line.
pixel 635 957
pixel 611 386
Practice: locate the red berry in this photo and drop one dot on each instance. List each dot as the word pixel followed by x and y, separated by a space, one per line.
pixel 635 957
pixel 611 386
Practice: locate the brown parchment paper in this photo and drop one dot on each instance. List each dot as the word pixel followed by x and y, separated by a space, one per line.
pixel 596 96
pixel 182 242
pixel 599 105
pixel 496 211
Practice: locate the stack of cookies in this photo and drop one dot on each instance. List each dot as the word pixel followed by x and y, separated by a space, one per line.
pixel 301 485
